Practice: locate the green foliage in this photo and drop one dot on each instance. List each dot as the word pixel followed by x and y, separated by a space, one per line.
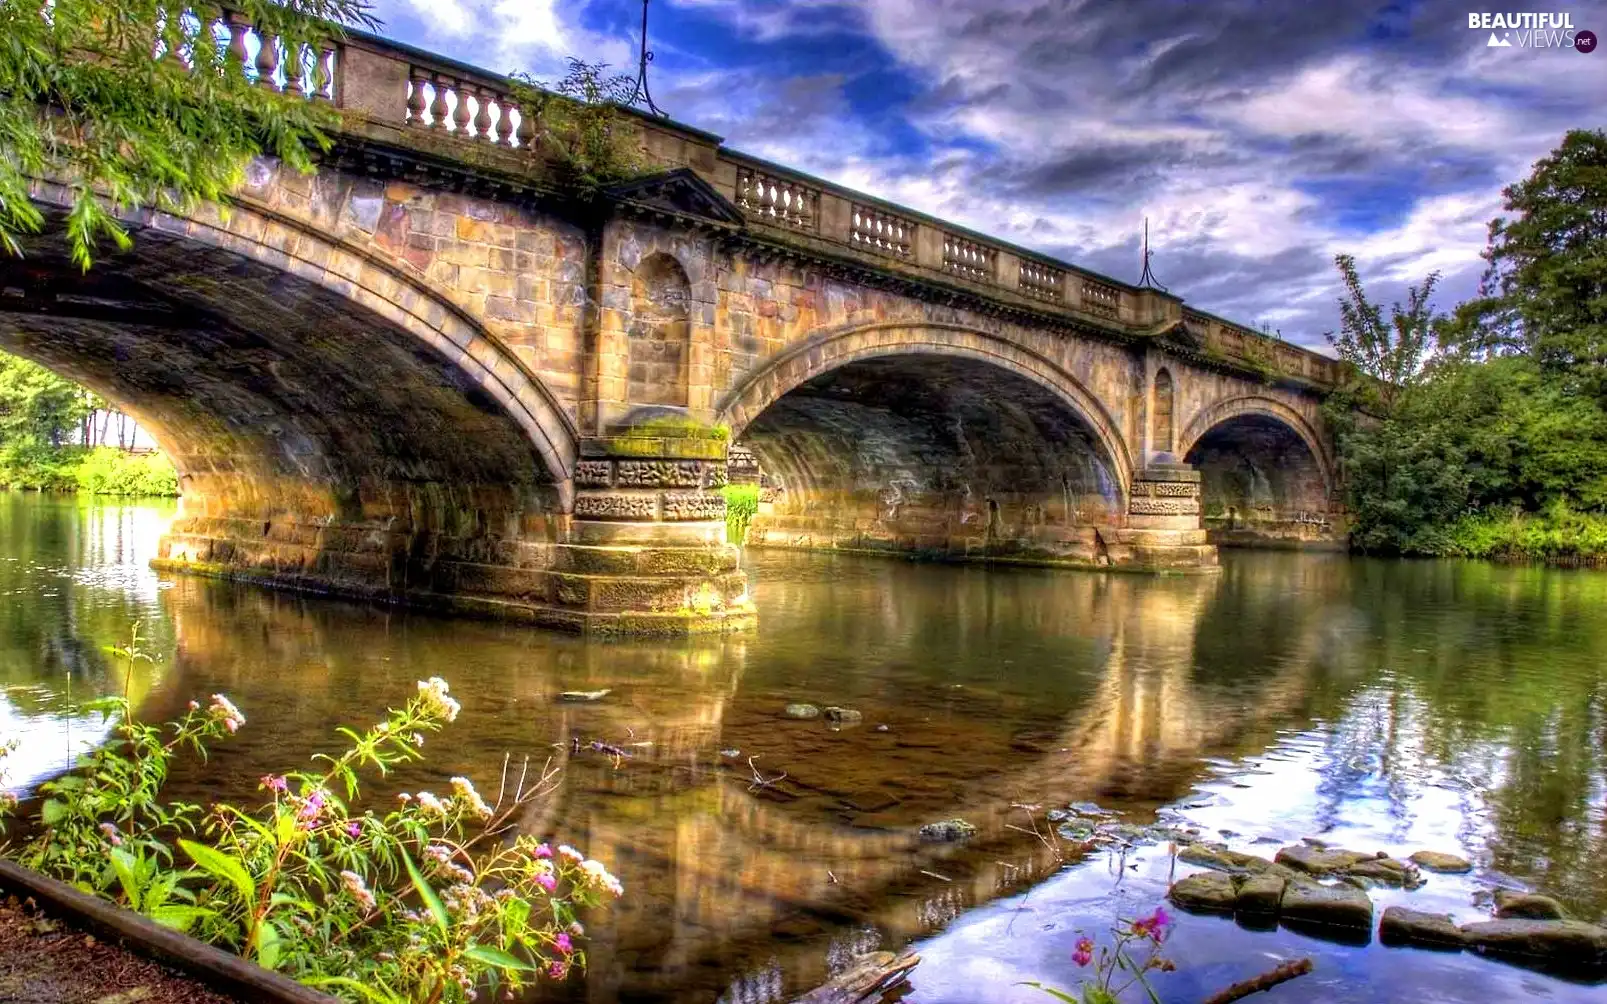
pixel 97 93
pixel 1545 291
pixel 741 505
pixel 36 405
pixel 101 470
pixel 433 900
pixel 1388 356
pixel 1496 447
pixel 579 128
pixel 106 470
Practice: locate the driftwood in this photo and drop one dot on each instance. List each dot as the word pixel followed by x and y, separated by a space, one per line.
pixel 871 978
pixel 1266 981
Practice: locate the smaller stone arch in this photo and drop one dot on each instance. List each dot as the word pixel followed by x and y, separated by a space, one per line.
pixel 1264 407
pixel 1161 423
pixel 659 335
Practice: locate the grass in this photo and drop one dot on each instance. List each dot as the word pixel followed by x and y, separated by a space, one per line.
pixel 1559 534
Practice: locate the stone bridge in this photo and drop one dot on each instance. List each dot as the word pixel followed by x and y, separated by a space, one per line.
pixel 429 373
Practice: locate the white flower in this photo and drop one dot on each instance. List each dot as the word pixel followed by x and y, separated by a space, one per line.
pixel 565 851
pixel 432 693
pixel 358 889
pixel 224 711
pixel 464 788
pixel 430 804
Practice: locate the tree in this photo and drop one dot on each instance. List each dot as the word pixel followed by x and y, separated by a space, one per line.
pixel 1391 354
pixel 37 408
pixel 140 103
pixel 1544 293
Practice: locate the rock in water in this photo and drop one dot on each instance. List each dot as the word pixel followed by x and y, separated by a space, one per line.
pixel 1401 926
pixel 801 711
pixel 1566 941
pixel 583 696
pixel 1511 905
pixel 1339 906
pixel 1208 892
pixel 947 831
pixel 1261 894
pixel 1219 857
pixel 1448 864
pixel 1319 860
pixel 844 716
pixel 1387 871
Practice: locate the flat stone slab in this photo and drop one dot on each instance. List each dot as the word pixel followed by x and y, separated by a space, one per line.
pixel 1219 857
pixel 1261 893
pixel 1448 864
pixel 802 712
pixel 1336 906
pixel 1401 926
pixel 1207 892
pixel 1570 942
pixel 1320 860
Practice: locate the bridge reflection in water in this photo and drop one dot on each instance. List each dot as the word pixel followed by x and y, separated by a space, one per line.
pixel 996 690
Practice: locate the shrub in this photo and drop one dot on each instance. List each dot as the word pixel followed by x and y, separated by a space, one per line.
pixel 741 505
pixel 110 471
pixel 430 901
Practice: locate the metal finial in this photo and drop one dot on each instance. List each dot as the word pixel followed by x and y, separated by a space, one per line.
pixel 1147 278
pixel 640 95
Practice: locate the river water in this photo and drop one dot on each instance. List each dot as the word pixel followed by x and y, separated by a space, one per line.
pixel 1378 705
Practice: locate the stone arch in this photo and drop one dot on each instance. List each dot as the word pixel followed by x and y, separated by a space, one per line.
pixel 813 357
pixel 1163 410
pixel 659 336
pixel 1262 407
pixel 377 283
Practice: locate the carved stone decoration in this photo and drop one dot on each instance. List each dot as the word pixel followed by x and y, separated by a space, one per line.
pixel 615 506
pixel 693 505
pixel 592 474
pixel 659 473
pixel 1176 489
pixel 716 474
pixel 1146 506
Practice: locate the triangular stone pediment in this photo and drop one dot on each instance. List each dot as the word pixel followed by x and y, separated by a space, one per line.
pixel 682 191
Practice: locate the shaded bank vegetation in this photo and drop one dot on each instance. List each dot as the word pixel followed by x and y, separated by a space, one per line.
pixel 1484 433
pixel 56 436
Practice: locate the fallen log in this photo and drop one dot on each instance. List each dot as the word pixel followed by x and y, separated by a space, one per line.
pixel 1266 981
pixel 871 977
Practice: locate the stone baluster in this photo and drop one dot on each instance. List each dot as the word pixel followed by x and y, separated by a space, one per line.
pixel 267 62
pixel 439 109
pixel 295 70
pixel 460 111
pixel 504 135
pixel 527 129
pixel 326 75
pixel 238 29
pixel 416 102
pixel 482 116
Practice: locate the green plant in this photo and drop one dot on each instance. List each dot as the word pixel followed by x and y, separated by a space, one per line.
pixel 430 901
pixel 132 107
pixel 579 126
pixel 107 470
pixel 741 505
pixel 1124 964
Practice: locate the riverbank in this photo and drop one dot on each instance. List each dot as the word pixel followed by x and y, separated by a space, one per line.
pixel 91 470
pixel 1560 537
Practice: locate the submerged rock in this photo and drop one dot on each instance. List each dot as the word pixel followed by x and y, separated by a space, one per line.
pixel 1401 926
pixel 1339 906
pixel 1435 861
pixel 947 831
pixel 844 716
pixel 1210 892
pixel 1387 871
pixel 1221 858
pixel 583 696
pixel 801 711
pixel 1510 904
pixel 1566 941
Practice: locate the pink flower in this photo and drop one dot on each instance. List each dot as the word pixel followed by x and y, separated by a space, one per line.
pixel 1154 926
pixel 1084 953
pixel 354 829
pixel 543 850
pixel 111 834
pixel 311 806
pixel 563 944
pixel 547 881
pixel 275 782
pixel 558 970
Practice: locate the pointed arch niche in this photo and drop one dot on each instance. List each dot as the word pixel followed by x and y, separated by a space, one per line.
pixel 1162 429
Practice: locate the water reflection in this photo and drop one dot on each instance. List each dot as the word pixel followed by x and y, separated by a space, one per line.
pixel 1387 705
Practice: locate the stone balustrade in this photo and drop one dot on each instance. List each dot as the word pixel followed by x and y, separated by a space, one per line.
pixel 388 82
pixel 307 72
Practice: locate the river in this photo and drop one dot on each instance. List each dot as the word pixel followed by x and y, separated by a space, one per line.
pixel 1379 705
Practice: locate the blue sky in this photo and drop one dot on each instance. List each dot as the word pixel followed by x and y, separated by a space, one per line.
pixel 1260 138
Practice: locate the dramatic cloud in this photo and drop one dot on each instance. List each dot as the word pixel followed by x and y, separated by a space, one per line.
pixel 1260 139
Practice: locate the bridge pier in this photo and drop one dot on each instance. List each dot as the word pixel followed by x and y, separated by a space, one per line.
pixel 1164 531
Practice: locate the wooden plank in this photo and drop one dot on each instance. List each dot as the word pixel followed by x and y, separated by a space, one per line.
pixel 222 971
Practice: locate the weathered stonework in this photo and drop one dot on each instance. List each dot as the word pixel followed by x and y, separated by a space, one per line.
pixel 421 373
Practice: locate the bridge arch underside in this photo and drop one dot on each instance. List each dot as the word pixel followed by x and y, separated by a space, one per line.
pixel 932 454
pixel 1263 485
pixel 319 444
